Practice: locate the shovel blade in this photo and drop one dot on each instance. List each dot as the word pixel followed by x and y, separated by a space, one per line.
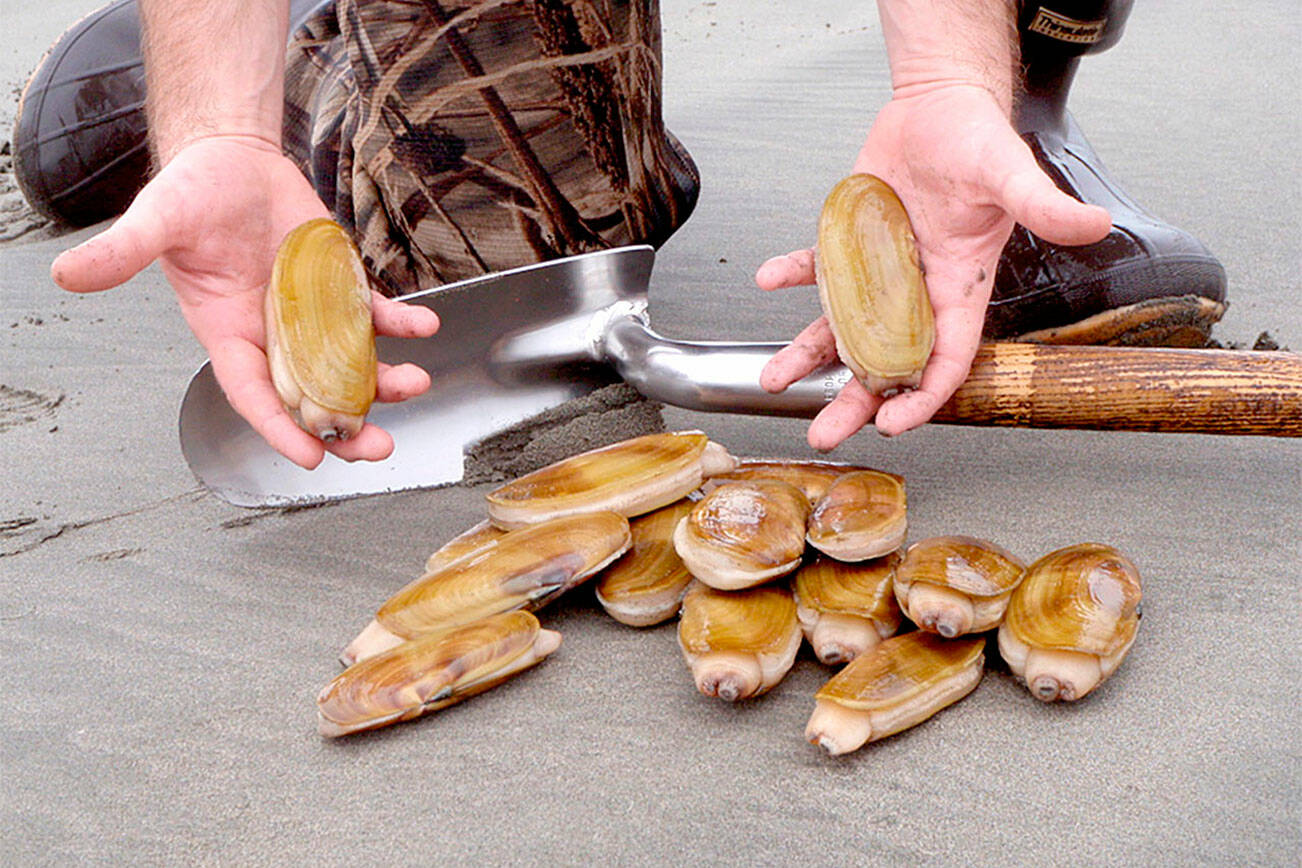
pixel 472 396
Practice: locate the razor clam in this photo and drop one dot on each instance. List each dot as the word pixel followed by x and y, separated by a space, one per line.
pixel 871 285
pixel 1071 620
pixel 320 340
pixel 432 672
pixel 523 569
pixel 646 585
pixel 846 609
pixel 738 644
pixel 477 538
pixel 901 682
pixel 957 584
pixel 811 477
pixel 863 514
pixel 744 533
pixel 631 477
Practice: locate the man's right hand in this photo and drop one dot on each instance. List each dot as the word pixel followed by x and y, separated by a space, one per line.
pixel 213 218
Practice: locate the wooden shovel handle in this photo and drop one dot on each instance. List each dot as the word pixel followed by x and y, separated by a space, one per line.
pixel 1131 389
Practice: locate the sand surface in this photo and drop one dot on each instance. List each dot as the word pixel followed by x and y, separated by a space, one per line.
pixel 160 650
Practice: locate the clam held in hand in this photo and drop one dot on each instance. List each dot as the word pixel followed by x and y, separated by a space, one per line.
pixel 320 340
pixel 871 285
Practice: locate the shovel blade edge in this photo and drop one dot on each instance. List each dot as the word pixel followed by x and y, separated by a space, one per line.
pixel 470 398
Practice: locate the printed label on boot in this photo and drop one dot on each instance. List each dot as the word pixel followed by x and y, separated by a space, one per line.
pixel 1055 26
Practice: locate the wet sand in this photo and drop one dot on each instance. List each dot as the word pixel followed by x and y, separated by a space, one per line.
pixel 160 650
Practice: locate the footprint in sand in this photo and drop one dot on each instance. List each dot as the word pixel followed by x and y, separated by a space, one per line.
pixel 23 406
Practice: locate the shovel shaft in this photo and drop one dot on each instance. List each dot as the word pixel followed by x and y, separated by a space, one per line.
pixel 1131 389
pixel 1017 385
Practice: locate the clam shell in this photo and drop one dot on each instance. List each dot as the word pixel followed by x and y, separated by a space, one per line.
pixel 432 672
pixel 646 585
pixel 744 533
pixel 1080 598
pixel 871 285
pixel 812 477
pixel 863 514
pixel 957 584
pixel 320 339
pixel 1071 621
pixel 902 682
pixel 738 643
pixel 631 477
pixel 525 568
pixel 476 539
pixel 845 609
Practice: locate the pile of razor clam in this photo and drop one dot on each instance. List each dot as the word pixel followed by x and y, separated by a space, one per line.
pixel 750 554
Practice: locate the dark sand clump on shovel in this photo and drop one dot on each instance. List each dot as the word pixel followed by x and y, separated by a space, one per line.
pixel 608 415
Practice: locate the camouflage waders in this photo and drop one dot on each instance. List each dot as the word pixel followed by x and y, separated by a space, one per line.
pixel 458 138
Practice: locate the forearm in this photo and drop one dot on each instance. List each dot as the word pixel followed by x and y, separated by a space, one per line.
pixel 936 43
pixel 213 68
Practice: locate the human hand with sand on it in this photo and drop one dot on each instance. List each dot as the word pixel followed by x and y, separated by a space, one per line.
pixel 963 195
pixel 213 218
pixel 946 146
pixel 216 212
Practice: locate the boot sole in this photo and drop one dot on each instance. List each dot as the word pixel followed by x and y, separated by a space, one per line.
pixel 1176 321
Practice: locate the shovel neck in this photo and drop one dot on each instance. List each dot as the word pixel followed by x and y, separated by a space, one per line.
pixel 713 377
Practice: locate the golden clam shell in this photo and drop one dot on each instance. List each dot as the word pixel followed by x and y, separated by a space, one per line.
pixel 646 585
pixel 863 514
pixel 631 477
pixel 871 285
pixel 738 643
pixel 432 672
pixel 845 609
pixel 901 682
pixel 1071 620
pixel 525 568
pixel 477 538
pixel 320 340
pixel 957 584
pixel 744 533
pixel 1080 598
pixel 811 477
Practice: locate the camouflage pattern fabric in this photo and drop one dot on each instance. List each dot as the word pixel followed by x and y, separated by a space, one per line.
pixel 457 138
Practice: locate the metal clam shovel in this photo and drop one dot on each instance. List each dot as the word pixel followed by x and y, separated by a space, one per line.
pixel 516 343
